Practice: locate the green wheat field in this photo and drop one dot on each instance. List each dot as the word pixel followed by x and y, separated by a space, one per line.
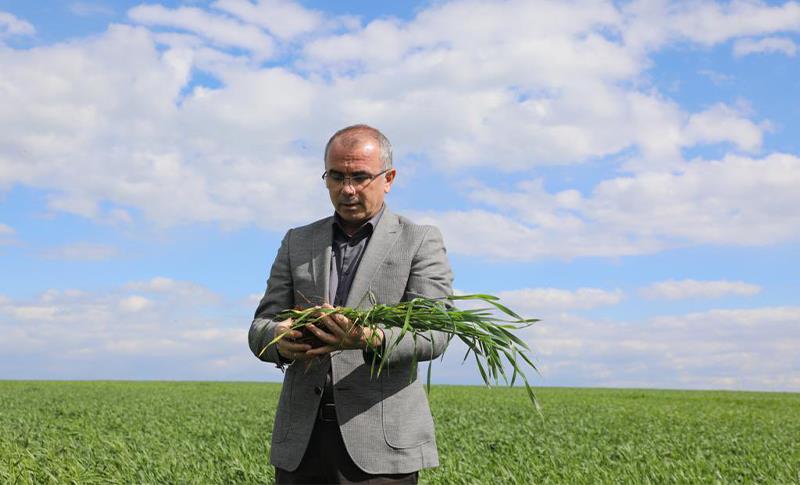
pixel 210 432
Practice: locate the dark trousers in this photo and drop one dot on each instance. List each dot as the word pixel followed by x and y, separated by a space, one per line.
pixel 327 461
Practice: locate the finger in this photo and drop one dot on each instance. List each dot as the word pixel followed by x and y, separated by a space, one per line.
pixel 301 354
pixel 335 329
pixel 325 306
pixel 340 316
pixel 320 351
pixel 345 328
pixel 286 332
pixel 322 317
pixel 294 347
pixel 336 317
pixel 324 336
pixel 343 322
pixel 289 335
pixel 290 343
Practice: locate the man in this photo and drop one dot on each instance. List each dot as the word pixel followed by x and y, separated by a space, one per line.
pixel 335 423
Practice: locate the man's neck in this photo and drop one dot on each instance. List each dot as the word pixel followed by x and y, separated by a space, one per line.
pixel 351 228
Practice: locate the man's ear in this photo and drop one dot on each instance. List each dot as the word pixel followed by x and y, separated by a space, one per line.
pixel 390 175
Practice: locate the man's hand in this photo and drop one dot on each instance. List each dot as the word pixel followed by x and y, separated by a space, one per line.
pixel 287 347
pixel 340 333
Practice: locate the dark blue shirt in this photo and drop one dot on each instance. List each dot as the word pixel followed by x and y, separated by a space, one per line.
pixel 346 254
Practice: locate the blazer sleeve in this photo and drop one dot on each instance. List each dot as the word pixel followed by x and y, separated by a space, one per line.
pixel 278 297
pixel 431 277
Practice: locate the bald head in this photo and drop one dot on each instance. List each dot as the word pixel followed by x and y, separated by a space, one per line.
pixel 354 136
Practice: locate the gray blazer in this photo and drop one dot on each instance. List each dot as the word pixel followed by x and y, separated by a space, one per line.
pixel 385 422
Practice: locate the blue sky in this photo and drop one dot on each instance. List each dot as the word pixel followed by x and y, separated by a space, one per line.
pixel 625 171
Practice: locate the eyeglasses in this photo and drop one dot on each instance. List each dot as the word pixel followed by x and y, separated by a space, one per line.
pixel 357 181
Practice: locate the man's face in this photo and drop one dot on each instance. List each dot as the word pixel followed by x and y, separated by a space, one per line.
pixel 356 203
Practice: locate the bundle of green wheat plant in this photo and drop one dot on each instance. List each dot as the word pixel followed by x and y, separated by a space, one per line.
pixel 488 332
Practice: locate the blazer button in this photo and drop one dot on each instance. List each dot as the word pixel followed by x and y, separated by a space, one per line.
pixel 317 390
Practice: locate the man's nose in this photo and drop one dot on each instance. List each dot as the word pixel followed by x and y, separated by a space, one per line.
pixel 348 187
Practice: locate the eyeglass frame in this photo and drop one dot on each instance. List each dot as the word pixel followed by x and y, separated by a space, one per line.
pixel 343 182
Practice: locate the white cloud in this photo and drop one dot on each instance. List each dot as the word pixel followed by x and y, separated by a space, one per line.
pixel 682 289
pixel 221 30
pixel 754 348
pixel 547 75
pixel 734 201
pixel 98 148
pixel 10 25
pixel 767 45
pixel 107 136
pixel 123 333
pixel 34 312
pixel 284 19
pixel 135 303
pixel 81 251
pixel 721 123
pixel 172 288
pixel 540 300
pixel 732 322
pixel 650 24
pixel 729 349
pixel 136 334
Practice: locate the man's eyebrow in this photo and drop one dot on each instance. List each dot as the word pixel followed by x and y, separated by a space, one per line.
pixel 356 173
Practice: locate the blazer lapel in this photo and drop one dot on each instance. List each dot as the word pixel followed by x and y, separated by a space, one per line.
pixel 321 261
pixel 381 242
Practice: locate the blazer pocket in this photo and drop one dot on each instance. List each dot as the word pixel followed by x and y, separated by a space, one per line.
pixel 283 414
pixel 407 421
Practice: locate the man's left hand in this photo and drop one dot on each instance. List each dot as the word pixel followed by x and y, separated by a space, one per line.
pixel 340 333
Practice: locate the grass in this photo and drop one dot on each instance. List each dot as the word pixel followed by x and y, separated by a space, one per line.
pixel 488 332
pixel 197 432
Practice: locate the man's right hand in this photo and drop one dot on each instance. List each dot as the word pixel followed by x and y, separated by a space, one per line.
pixel 288 348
